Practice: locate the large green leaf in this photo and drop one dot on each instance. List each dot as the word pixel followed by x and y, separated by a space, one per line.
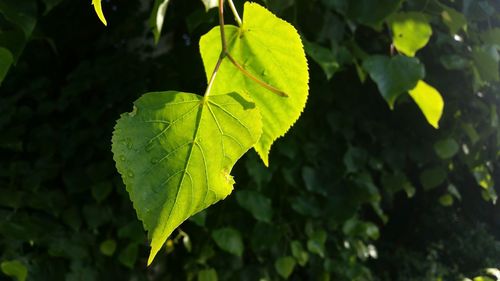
pixel 175 152
pixel 270 49
pixel 394 75
pixel 410 32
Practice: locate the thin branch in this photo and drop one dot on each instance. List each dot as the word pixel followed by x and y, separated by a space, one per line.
pixel 255 79
pixel 235 12
pixel 221 26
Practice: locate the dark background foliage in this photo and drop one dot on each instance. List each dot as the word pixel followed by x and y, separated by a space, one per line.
pixel 347 193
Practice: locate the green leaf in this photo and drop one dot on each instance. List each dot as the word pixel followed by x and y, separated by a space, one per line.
pixel 410 32
pixel 98 10
pixel 209 4
pixel 323 57
pixel 432 177
pixel 108 247
pixel 394 75
pixel 491 37
pixel 486 59
pixel 371 12
pixel 207 275
pixel 229 240
pixel 446 200
pixel 128 256
pixel 21 13
pixel 157 18
pixel 257 204
pixel 161 149
pixel 316 243
pixel 430 102
pixel 15 269
pixel 6 60
pixel 284 266
pixel 278 60
pixel 299 253
pixel 454 20
pixel 446 148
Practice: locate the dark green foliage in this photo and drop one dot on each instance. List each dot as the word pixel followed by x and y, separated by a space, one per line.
pixel 350 177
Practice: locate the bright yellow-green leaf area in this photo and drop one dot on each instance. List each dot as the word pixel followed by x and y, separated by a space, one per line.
pixel 270 49
pixel 98 10
pixel 410 32
pixel 430 102
pixel 175 152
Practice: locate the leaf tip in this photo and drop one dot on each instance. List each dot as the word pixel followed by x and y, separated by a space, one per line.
pixel 98 10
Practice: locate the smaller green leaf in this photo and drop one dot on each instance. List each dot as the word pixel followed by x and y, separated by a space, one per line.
pixel 207 275
pixel 257 204
pixel 6 60
pixel 108 247
pixel 483 278
pixel 128 256
pixel 430 102
pixel 229 240
pixel 98 10
pixel 101 191
pixel 157 18
pixel 209 4
pixel 316 243
pixel 323 57
pixel 432 177
pixel 410 32
pixel 15 269
pixel 299 253
pixel 483 177
pixel 454 20
pixel 486 59
pixel 491 37
pixel 446 200
pixel 394 75
pixel 446 148
pixel 284 266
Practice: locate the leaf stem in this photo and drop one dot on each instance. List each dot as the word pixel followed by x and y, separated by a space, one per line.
pixel 255 79
pixel 235 12
pixel 221 26
pixel 223 51
pixel 214 73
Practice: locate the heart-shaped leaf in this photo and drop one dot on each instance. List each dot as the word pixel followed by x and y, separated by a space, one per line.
pixel 278 60
pixel 175 152
pixel 410 32
pixel 394 76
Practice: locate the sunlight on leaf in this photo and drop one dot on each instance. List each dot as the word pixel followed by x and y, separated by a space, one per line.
pixel 410 32
pixel 430 102
pixel 209 4
pixel 98 10
pixel 158 17
pixel 15 269
pixel 166 151
pixel 280 61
